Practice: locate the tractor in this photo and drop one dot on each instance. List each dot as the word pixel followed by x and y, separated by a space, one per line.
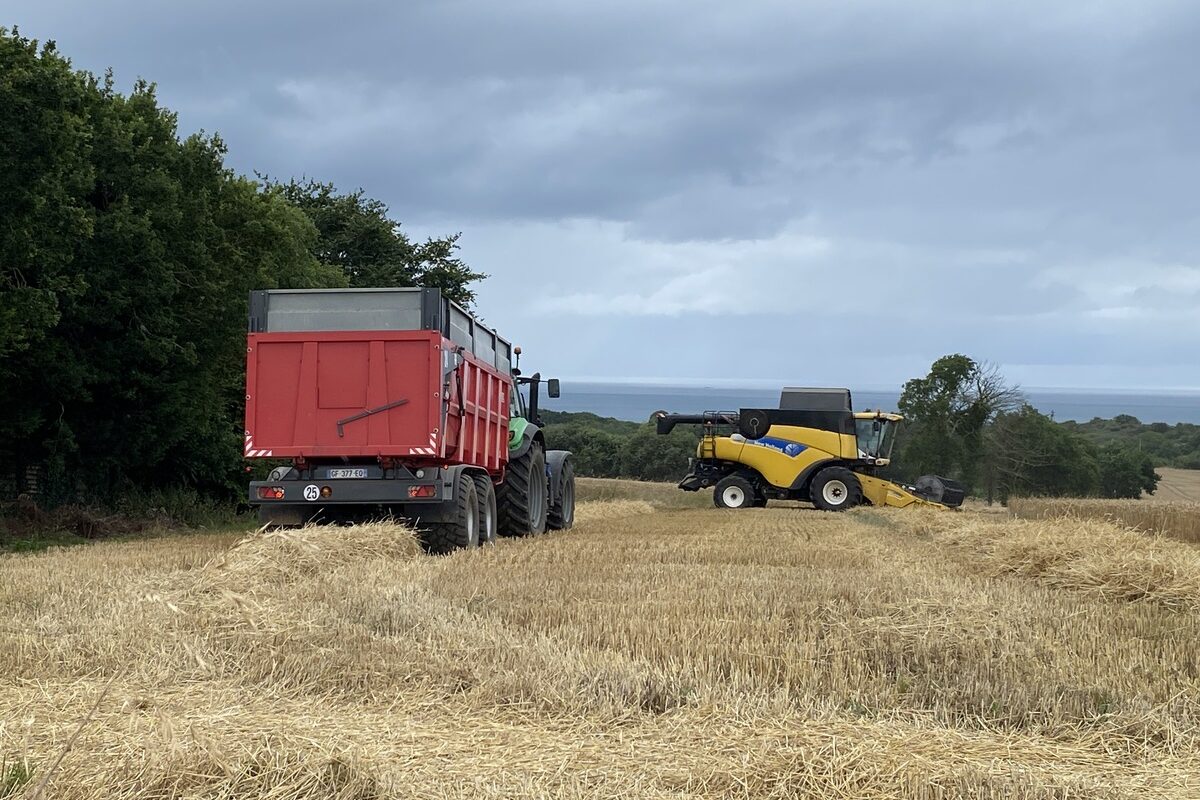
pixel 398 402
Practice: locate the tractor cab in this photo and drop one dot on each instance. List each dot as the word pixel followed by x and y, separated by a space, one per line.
pixel 876 434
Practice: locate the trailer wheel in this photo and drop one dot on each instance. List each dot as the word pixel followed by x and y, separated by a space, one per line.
pixel 523 498
pixel 485 492
pixel 835 489
pixel 562 512
pixel 733 491
pixel 462 527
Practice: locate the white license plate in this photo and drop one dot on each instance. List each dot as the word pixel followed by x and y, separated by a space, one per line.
pixel 347 473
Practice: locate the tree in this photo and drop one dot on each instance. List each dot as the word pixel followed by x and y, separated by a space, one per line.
pixel 125 277
pixel 1027 453
pixel 1126 473
pixel 947 411
pixel 45 151
pixel 356 235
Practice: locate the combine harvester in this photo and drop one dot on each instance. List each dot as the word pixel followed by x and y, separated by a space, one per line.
pixel 813 447
pixel 397 402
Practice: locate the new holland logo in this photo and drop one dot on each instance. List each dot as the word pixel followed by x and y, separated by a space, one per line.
pixel 791 449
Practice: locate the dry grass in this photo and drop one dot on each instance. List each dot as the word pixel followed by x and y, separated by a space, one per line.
pixel 1178 520
pixel 650 652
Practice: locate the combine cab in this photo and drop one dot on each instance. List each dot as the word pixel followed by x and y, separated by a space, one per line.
pixel 397 402
pixel 813 447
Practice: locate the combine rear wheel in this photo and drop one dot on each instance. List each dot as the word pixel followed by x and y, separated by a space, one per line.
pixel 733 491
pixel 461 528
pixel 489 522
pixel 562 511
pixel 523 498
pixel 835 489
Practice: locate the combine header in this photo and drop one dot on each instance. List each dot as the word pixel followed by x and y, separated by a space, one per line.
pixel 397 402
pixel 813 447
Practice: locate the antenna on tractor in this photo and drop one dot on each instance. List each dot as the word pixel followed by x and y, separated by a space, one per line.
pixel 517 353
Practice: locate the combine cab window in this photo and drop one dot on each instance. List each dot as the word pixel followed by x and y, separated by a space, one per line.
pixel 875 437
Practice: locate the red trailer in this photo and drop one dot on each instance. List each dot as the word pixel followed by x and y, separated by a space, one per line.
pixel 391 401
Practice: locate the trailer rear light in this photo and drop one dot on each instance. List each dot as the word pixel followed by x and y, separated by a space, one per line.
pixel 326 491
pixel 270 493
pixel 422 490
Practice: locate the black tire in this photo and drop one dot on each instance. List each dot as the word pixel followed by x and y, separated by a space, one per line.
pixel 759 501
pixel 489 521
pixel 562 511
pixel 753 423
pixel 461 529
pixel 524 497
pixel 733 491
pixel 835 489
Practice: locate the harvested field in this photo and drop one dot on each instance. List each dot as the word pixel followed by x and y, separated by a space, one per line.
pixel 650 652
pixel 1176 485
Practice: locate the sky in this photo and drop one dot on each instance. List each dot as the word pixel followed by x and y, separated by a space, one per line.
pixel 814 193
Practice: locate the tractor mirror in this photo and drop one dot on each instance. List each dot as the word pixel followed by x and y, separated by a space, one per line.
pixel 878 426
pixel 552 389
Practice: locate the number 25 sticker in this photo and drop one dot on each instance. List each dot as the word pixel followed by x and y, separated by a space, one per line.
pixel 311 492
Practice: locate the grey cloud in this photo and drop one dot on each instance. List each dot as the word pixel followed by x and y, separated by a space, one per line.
pixel 980 173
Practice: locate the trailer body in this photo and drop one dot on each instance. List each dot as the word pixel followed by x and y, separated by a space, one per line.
pixel 378 397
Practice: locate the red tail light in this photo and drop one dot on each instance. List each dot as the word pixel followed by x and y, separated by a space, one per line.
pixel 270 493
pixel 422 490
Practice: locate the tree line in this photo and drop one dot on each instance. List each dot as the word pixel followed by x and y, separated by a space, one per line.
pixel 126 256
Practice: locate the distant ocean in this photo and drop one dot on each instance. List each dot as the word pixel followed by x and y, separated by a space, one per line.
pixel 637 402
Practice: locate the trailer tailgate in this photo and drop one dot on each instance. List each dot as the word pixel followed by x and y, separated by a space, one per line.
pixel 344 393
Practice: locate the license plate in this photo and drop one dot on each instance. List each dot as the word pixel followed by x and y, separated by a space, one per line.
pixel 347 473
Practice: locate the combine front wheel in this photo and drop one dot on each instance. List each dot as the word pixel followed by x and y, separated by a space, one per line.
pixel 733 491
pixel 835 489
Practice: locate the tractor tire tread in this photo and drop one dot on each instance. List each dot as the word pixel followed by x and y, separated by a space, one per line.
pixel 512 498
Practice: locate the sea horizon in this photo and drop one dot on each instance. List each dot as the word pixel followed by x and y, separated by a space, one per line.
pixel 636 400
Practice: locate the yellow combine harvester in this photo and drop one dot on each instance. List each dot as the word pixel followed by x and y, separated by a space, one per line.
pixel 813 447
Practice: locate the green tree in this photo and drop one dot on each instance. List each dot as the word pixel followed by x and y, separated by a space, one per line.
pixel 45 149
pixel 128 267
pixel 648 456
pixel 1027 453
pixel 1126 473
pixel 357 235
pixel 947 412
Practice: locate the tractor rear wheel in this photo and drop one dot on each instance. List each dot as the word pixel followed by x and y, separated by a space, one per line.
pixel 562 511
pixel 733 491
pixel 461 528
pixel 524 497
pixel 485 493
pixel 835 489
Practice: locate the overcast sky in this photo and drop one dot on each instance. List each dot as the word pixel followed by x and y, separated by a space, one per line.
pixel 816 193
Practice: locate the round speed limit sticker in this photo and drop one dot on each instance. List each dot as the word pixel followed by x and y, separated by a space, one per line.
pixel 311 492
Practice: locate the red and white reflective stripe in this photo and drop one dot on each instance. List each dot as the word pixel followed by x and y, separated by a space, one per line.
pixel 252 452
pixel 425 451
